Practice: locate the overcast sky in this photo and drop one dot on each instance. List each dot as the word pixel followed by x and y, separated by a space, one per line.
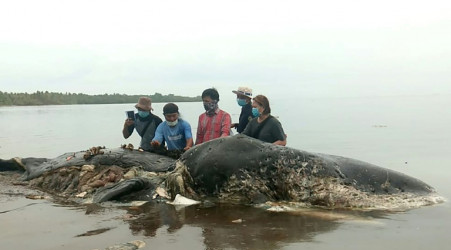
pixel 306 48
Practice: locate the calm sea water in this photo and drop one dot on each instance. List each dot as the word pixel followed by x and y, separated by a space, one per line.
pixel 410 134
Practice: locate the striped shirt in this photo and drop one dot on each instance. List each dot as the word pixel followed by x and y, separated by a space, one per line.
pixel 211 127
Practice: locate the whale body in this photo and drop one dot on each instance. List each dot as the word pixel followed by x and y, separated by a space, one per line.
pixel 234 169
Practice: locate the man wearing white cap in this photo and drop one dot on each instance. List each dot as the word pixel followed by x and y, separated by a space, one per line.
pixel 243 98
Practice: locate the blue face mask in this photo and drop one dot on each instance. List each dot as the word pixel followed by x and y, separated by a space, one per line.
pixel 143 114
pixel 255 112
pixel 241 102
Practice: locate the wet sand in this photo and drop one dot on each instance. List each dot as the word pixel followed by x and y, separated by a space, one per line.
pixel 43 222
pixel 30 219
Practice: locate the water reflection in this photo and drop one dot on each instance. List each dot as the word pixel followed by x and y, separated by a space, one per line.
pixel 238 227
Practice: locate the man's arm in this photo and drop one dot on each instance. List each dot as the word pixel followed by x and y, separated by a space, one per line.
pixel 199 135
pixel 189 144
pixel 128 128
pixel 158 137
pixel 225 127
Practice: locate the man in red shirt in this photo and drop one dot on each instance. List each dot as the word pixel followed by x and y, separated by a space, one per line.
pixel 214 123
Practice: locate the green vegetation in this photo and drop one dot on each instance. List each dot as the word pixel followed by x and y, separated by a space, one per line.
pixel 50 98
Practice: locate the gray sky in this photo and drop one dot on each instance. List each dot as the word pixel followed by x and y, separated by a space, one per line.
pixel 305 48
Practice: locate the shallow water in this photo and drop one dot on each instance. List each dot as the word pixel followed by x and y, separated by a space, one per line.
pixel 407 134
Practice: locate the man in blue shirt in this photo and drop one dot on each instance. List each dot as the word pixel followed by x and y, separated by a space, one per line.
pixel 174 131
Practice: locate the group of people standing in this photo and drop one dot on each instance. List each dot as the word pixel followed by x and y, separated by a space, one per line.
pixel 255 121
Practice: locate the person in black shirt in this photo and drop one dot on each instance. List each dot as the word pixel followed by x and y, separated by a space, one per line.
pixel 264 126
pixel 243 98
pixel 145 124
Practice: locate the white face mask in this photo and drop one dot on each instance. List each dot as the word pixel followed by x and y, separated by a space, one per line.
pixel 172 124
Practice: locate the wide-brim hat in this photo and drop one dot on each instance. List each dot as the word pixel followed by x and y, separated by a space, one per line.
pixel 144 103
pixel 245 91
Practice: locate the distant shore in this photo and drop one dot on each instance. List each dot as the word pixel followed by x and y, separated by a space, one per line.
pixel 54 98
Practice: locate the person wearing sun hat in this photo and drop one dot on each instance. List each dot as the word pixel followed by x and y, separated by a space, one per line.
pixel 243 98
pixel 145 124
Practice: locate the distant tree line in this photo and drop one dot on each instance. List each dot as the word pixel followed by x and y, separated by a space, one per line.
pixel 51 98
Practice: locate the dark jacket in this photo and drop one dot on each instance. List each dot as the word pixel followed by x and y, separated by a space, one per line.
pixel 245 117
